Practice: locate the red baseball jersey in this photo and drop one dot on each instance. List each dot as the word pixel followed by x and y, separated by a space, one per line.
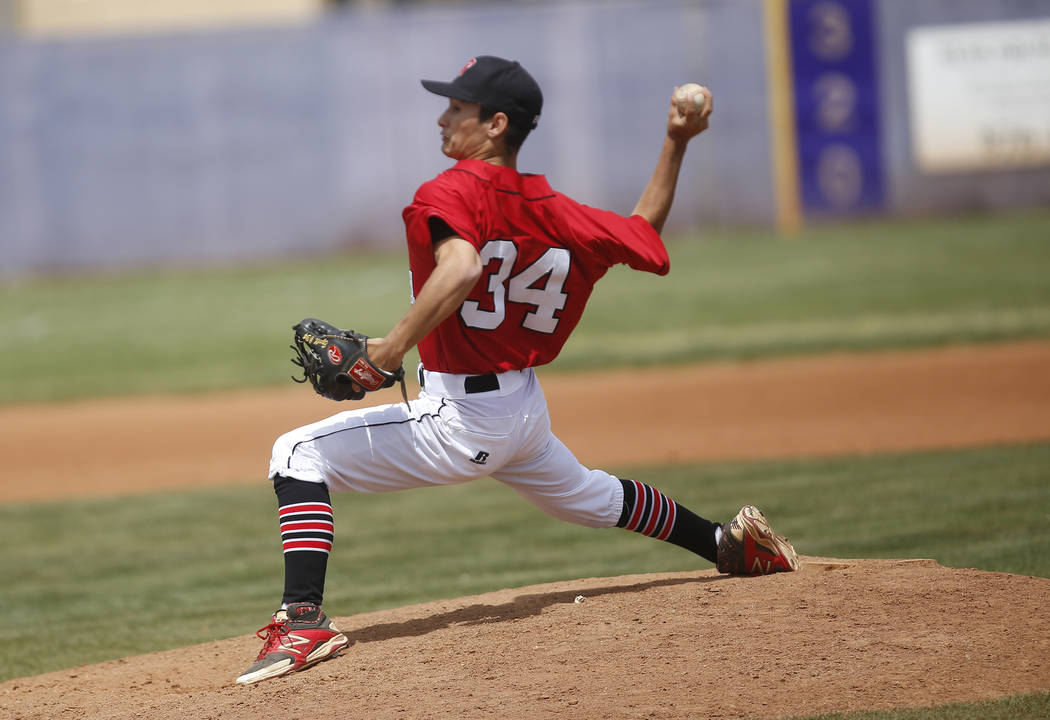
pixel 542 252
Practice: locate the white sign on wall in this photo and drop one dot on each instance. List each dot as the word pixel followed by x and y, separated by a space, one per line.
pixel 979 95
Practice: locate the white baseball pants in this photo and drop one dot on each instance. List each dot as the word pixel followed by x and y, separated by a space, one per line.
pixel 454 433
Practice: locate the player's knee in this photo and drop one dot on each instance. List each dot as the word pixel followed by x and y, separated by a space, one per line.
pixel 290 457
pixel 282 447
pixel 596 502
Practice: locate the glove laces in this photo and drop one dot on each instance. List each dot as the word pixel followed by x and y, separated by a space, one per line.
pixel 404 392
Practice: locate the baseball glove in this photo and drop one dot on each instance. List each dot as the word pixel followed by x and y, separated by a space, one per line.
pixel 336 362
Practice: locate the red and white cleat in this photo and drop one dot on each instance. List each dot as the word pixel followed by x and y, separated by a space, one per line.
pixel 296 639
pixel 749 546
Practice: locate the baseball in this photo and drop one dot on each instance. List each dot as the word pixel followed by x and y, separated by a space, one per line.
pixel 690 99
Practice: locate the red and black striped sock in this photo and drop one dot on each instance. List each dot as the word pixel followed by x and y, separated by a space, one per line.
pixel 648 511
pixel 307 533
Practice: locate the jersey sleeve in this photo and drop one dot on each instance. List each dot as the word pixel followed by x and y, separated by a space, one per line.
pixel 614 239
pixel 444 197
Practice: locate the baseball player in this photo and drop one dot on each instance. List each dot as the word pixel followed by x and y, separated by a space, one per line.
pixel 501 268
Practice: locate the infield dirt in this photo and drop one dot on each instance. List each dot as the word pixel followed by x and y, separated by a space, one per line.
pixel 841 635
pixel 798 407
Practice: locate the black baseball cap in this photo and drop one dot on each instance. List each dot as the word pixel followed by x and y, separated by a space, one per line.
pixel 498 84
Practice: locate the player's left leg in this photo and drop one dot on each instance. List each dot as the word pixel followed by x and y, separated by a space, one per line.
pixel 307 525
pixel 390 447
pixel 299 634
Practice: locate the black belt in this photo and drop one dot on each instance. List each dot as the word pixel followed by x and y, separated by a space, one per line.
pixel 480 383
pixel 473 383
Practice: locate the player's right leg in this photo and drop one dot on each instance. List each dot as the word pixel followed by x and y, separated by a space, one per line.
pixel 549 476
pixel 558 484
pixel 747 545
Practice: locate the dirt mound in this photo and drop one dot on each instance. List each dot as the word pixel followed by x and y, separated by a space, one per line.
pixel 841 635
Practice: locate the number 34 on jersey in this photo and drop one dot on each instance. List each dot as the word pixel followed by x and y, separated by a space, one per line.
pixel 540 285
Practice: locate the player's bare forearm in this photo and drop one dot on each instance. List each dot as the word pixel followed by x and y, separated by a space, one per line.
pixel 457 271
pixel 655 202
pixel 691 106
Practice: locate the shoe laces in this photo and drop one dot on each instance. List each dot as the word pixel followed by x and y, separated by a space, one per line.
pixel 272 636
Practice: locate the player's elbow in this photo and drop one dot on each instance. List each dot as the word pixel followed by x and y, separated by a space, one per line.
pixel 470 273
pixel 460 262
pixel 466 266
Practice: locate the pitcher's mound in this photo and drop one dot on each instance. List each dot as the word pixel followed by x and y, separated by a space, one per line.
pixel 839 635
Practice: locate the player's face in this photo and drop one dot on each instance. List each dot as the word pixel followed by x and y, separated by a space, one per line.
pixel 462 134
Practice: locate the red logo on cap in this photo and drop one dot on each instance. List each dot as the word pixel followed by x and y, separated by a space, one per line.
pixel 470 63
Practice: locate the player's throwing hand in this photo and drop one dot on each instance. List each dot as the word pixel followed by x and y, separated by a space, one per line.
pixel 691 106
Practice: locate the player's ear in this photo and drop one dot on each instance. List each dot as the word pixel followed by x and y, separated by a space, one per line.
pixel 498 124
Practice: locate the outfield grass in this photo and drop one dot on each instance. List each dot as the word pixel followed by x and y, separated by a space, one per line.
pixel 855 287
pixel 190 567
pixel 1033 706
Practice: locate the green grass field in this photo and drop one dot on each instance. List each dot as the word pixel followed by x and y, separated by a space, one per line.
pixel 733 295
pixel 1034 706
pixel 181 568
